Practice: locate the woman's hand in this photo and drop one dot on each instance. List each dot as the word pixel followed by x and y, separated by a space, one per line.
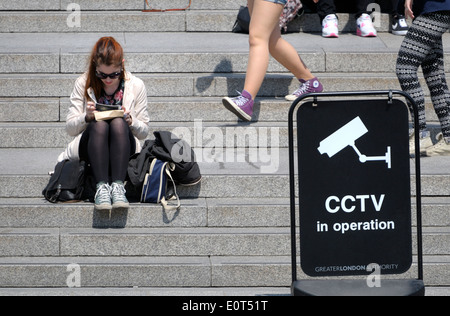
pixel 90 110
pixel 127 116
pixel 408 9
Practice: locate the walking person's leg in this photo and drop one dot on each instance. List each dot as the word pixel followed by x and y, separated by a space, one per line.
pixel 288 56
pixel 418 49
pixel 264 21
pixel 284 53
pixel 265 39
pixel 434 73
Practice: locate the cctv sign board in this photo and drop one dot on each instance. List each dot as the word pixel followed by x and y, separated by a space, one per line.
pixel 354 187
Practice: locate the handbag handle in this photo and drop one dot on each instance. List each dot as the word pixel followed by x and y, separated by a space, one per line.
pixel 164 10
pixel 165 203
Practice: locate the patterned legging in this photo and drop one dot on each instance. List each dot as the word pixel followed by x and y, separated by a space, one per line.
pixel 422 46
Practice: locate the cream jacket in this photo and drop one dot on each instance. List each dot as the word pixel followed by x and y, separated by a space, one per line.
pixel 134 100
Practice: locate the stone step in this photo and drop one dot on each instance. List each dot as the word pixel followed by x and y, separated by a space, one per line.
pixel 179 241
pixel 117 5
pixel 36 242
pixel 215 186
pixel 198 134
pixel 201 212
pixel 91 20
pixel 192 52
pixel 177 272
pixel 17 162
pixel 23 177
pixel 53 135
pixel 185 110
pixel 195 85
pixel 171 291
pixel 177 62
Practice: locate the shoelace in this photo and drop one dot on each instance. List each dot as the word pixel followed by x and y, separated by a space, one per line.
pixel 103 194
pixel 304 88
pixel 440 144
pixel 240 100
pixel 118 192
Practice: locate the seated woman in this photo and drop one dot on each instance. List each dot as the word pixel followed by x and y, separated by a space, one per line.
pixel 107 144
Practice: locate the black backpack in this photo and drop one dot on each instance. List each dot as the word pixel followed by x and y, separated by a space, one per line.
pixel 167 147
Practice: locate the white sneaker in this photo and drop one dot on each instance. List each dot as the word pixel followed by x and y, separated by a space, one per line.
pixel 424 144
pixel 441 148
pixel 364 26
pixel 330 26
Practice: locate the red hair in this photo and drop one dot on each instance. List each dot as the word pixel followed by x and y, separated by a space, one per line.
pixel 107 51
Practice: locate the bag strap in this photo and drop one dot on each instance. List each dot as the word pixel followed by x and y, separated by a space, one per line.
pixel 164 203
pixel 166 10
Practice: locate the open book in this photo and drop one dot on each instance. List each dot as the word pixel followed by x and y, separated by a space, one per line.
pixel 108 115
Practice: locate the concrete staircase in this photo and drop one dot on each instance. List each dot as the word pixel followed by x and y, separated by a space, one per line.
pixel 233 230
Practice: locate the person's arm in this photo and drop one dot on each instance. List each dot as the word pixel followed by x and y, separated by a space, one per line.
pixel 77 118
pixel 139 118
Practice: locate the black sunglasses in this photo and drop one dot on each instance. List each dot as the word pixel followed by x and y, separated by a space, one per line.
pixel 102 75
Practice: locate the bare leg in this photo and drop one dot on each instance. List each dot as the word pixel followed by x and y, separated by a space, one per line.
pixel 264 19
pixel 287 55
pixel 265 38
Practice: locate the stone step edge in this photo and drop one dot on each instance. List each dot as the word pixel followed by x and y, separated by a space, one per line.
pixel 444 230
pixel 215 202
pixel 178 292
pixel 209 187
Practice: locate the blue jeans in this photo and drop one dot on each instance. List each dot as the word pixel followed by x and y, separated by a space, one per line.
pixel 283 2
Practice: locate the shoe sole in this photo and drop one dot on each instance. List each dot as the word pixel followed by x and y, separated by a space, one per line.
pixel 371 34
pixel 332 35
pixel 290 98
pixel 230 106
pixel 103 207
pixel 400 33
pixel 120 206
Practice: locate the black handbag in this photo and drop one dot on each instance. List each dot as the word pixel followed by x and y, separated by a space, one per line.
pixel 67 182
pixel 242 21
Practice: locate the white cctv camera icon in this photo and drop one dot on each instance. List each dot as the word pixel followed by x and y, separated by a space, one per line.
pixel 347 136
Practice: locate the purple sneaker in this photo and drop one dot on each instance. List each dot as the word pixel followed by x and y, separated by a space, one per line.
pixel 309 86
pixel 242 105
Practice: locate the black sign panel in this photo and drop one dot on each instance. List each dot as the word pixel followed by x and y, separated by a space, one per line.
pixel 355 189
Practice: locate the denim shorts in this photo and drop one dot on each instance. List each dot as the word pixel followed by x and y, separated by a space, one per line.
pixel 283 2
